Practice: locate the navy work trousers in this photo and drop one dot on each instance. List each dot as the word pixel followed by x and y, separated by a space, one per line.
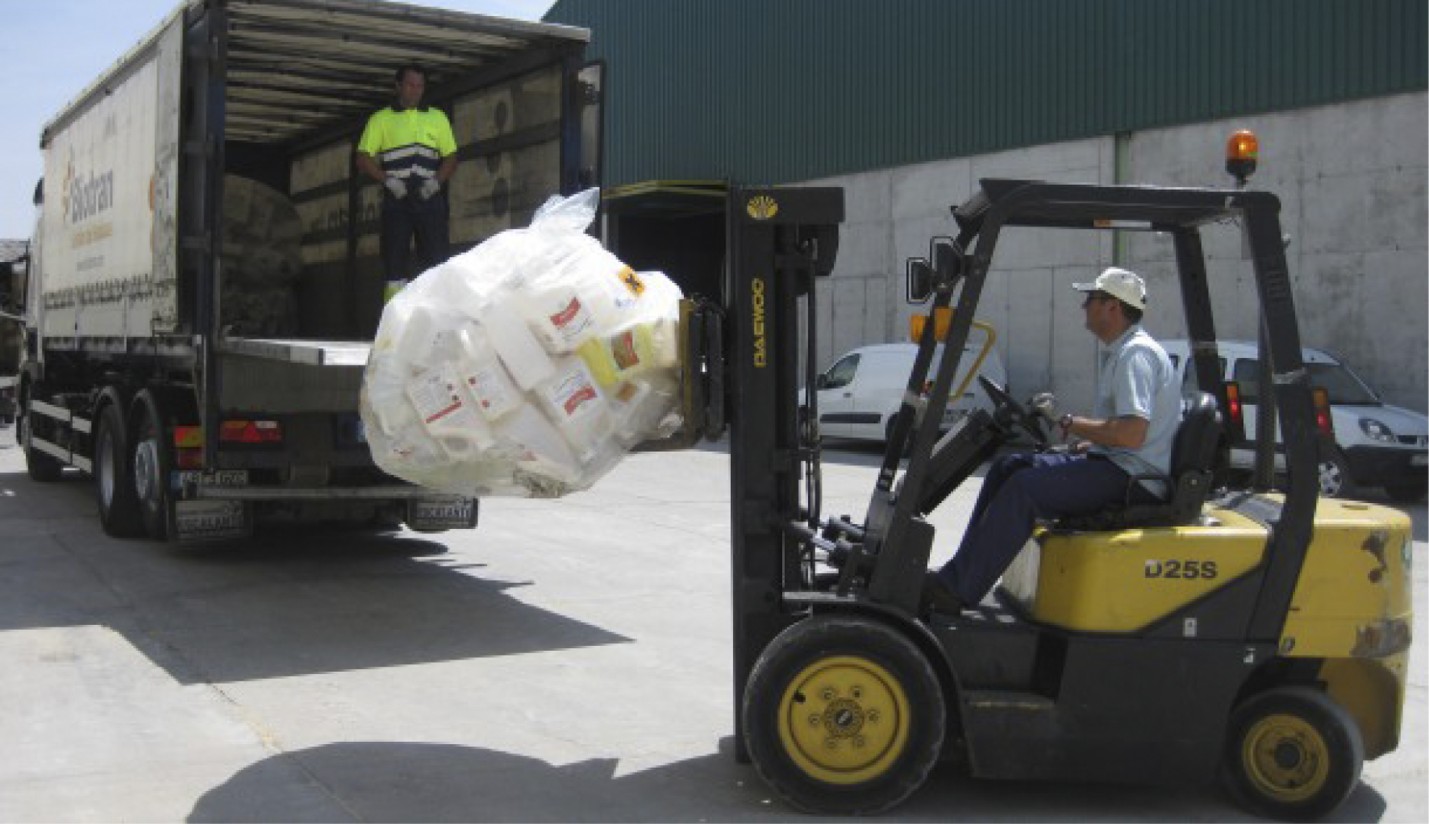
pixel 408 218
pixel 1019 489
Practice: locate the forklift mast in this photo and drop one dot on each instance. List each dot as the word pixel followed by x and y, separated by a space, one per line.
pixel 780 241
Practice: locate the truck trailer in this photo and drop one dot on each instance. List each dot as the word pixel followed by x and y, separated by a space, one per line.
pixel 205 279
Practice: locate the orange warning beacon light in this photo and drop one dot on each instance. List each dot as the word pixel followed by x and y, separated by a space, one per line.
pixel 1242 151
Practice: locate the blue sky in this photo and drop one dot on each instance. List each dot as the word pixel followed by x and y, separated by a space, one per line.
pixel 52 49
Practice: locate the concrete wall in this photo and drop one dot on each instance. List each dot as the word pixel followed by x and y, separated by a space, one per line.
pixel 1352 180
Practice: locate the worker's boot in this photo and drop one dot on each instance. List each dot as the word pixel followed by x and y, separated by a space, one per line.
pixel 938 596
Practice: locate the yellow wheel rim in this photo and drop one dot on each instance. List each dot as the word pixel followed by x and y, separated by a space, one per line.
pixel 1285 758
pixel 844 720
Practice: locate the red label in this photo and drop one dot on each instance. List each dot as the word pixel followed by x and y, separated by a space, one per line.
pixel 568 314
pixel 578 397
pixel 623 350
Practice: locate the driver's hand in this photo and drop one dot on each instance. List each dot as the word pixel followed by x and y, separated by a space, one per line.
pixel 1044 404
pixel 1079 447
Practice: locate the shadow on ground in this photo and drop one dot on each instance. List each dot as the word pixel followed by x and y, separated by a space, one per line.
pixel 291 602
pixel 377 781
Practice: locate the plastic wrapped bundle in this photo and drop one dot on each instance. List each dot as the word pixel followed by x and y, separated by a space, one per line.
pixel 528 366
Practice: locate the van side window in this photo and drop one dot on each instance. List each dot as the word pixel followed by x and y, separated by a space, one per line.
pixel 1189 383
pixel 841 373
pixel 1247 375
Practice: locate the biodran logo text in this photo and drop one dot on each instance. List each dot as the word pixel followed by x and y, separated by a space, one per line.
pixel 89 195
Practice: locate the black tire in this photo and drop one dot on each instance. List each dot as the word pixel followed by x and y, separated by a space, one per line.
pixel 1292 753
pixel 1407 493
pixel 1334 473
pixel 113 478
pixel 41 467
pixel 152 461
pixel 843 715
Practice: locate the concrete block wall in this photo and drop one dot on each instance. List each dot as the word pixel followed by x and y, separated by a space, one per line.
pixel 1352 181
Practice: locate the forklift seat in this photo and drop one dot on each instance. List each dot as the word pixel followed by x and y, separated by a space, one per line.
pixel 1193 455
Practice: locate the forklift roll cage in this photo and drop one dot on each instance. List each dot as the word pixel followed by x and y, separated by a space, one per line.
pixel 783 240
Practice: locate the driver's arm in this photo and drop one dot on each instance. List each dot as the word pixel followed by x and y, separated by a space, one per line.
pixel 1126 432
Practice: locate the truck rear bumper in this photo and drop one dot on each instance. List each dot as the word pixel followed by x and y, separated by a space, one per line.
pixel 393 492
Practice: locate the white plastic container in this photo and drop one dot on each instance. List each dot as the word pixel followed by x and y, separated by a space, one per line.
pixel 520 352
pixel 479 368
pixel 529 440
pixel 575 405
pixel 448 412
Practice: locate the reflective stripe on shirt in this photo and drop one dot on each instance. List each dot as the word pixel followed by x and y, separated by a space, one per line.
pixel 408 143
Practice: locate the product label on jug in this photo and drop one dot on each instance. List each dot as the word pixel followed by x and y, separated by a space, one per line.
pixel 573 394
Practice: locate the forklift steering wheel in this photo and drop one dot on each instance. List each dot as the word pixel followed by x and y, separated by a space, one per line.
pixel 1016 412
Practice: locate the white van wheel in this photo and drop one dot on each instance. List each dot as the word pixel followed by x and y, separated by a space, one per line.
pixel 1334 474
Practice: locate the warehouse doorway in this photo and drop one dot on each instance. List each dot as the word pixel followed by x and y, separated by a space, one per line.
pixel 673 226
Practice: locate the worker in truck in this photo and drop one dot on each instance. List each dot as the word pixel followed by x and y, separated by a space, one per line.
pixel 1130 432
pixel 409 148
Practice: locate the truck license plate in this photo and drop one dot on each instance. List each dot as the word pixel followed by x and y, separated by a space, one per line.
pixel 225 478
pixel 450 513
pixel 1419 460
pixel 211 520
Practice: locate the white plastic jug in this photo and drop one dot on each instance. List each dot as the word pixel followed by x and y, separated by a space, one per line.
pixel 448 412
pixel 574 403
pixel 520 352
pixel 481 372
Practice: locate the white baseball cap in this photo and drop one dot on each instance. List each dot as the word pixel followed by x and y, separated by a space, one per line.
pixel 1125 286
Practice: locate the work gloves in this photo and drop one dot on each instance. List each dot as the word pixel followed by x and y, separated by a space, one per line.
pixel 396 185
pixel 1044 404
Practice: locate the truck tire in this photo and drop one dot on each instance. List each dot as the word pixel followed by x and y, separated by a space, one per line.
pixel 152 462
pixel 843 715
pixel 113 480
pixel 41 467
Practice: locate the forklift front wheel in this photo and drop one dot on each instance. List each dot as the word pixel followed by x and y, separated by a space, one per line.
pixel 843 715
pixel 1293 753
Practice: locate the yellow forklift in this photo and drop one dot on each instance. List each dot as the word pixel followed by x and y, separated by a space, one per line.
pixel 1256 635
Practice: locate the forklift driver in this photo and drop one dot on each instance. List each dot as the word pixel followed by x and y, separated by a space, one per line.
pixel 1130 433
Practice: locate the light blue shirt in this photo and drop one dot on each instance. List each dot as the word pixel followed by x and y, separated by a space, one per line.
pixel 1135 378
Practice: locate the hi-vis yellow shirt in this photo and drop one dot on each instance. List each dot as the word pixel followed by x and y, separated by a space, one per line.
pixel 410 142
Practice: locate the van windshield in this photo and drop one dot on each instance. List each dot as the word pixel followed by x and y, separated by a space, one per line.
pixel 1343 386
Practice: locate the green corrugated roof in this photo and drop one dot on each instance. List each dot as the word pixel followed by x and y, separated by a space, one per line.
pixel 775 91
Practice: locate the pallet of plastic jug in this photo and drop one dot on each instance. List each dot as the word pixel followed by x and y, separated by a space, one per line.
pixel 527 366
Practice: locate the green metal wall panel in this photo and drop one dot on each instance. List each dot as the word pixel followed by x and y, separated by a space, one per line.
pixel 773 91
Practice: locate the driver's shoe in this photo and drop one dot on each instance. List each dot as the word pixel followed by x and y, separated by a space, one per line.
pixel 937 597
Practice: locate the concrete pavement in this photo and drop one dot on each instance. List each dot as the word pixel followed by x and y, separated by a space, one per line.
pixel 568 660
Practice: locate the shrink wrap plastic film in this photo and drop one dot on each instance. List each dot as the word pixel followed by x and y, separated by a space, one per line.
pixel 528 366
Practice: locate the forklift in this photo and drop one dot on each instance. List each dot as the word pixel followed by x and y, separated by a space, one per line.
pixel 1253 636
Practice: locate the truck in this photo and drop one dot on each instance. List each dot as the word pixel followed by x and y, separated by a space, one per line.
pixel 12 268
pixel 205 281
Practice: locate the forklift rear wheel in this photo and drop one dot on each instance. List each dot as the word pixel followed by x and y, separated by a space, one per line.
pixel 1293 753
pixel 113 484
pixel 843 715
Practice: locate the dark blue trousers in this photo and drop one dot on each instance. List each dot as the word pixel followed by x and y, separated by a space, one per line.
pixel 409 218
pixel 1018 490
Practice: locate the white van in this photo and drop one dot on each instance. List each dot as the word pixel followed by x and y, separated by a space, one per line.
pixel 1375 444
pixel 860 394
